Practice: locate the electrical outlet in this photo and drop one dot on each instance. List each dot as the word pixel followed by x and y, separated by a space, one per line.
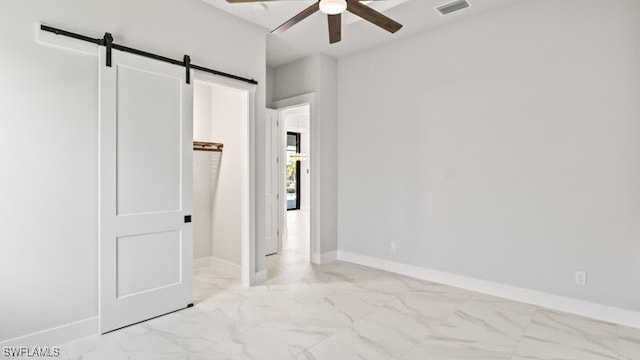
pixel 393 246
pixel 581 278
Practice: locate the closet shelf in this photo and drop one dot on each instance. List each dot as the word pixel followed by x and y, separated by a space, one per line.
pixel 207 146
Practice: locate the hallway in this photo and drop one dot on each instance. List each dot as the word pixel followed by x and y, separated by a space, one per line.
pixel 295 247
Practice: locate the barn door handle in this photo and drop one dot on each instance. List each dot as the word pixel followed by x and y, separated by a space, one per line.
pixel 187 219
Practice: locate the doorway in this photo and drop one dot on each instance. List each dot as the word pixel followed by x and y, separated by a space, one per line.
pixel 292 159
pixel 223 112
pixel 146 185
pixel 145 190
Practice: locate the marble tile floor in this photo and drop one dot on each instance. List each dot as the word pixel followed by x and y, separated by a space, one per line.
pixel 345 311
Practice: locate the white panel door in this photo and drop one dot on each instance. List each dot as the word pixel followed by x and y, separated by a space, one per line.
pixel 272 182
pixel 146 137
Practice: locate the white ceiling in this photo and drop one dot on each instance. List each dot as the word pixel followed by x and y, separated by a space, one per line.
pixel 311 36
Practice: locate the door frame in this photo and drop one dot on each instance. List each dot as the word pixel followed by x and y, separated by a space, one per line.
pixel 248 194
pixel 273 144
pixel 314 166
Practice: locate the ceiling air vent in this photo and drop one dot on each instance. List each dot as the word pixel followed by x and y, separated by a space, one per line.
pixel 447 9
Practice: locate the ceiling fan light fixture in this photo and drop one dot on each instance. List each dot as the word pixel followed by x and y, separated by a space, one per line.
pixel 333 7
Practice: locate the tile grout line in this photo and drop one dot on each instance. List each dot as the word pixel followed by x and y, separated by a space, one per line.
pixel 524 333
pixel 441 323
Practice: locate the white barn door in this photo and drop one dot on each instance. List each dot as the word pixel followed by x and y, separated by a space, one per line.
pixel 146 141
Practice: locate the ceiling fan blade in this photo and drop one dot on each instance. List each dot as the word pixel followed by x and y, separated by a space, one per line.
pixel 373 16
pixel 296 19
pixel 335 28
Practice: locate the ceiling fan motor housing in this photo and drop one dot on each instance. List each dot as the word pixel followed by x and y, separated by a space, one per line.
pixel 333 7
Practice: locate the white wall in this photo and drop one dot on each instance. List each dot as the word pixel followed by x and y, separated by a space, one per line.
pixel 201 111
pixel 206 166
pixel 317 74
pixel 219 117
pixel 227 119
pixel 503 147
pixel 49 140
pixel 203 171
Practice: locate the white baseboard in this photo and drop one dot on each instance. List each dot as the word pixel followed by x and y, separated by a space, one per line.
pixel 83 328
pixel 201 262
pixel 225 266
pixel 324 258
pixel 260 277
pixel 556 302
pixel 57 335
pixel 218 264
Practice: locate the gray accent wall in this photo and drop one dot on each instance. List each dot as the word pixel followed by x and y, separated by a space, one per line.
pixel 504 147
pixel 318 74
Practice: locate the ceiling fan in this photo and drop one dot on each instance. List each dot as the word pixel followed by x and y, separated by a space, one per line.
pixel 334 10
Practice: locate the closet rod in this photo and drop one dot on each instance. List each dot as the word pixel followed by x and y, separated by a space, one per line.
pixel 207 146
pixel 107 42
